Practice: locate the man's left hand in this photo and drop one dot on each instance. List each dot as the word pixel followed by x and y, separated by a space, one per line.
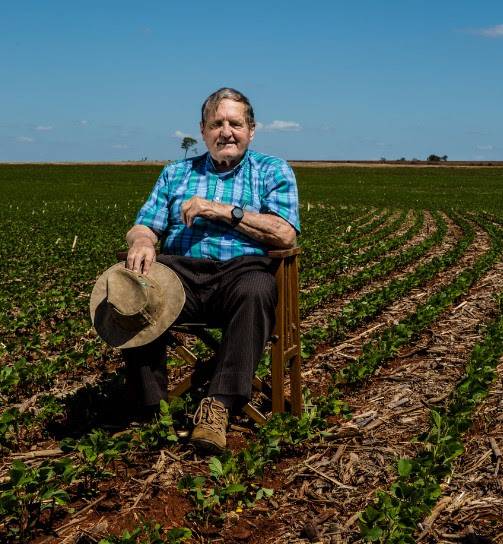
pixel 197 206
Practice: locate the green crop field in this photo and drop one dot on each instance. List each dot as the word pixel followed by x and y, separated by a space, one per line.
pixel 401 303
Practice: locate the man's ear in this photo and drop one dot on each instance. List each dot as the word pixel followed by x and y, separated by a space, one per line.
pixel 252 132
pixel 201 127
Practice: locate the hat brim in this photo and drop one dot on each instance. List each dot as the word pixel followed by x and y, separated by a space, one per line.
pixel 108 328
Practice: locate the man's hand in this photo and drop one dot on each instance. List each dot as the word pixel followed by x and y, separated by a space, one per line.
pixel 141 254
pixel 200 207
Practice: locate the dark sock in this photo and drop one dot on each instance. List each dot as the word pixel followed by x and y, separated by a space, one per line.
pixel 227 400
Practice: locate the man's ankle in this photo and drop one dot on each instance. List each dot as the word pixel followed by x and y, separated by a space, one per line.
pixel 229 401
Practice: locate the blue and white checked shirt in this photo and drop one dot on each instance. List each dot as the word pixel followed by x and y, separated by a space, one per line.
pixel 259 183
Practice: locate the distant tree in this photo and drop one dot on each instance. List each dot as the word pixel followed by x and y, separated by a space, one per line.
pixel 402 159
pixel 383 159
pixel 436 158
pixel 187 143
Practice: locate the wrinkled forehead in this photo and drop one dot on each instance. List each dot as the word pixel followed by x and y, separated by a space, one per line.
pixel 226 108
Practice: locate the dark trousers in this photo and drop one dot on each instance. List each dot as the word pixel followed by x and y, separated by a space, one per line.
pixel 239 296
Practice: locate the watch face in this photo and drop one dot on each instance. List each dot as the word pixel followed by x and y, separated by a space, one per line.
pixel 237 213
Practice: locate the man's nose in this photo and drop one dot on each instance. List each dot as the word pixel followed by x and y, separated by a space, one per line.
pixel 226 130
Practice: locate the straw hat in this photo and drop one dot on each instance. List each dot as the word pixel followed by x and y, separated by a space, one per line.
pixel 129 309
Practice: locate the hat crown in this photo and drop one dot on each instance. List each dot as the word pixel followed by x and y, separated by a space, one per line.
pixel 127 291
pixel 134 299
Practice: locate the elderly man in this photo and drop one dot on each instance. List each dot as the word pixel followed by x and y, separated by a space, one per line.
pixel 217 215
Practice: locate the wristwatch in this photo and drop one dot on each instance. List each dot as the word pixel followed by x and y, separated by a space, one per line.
pixel 236 216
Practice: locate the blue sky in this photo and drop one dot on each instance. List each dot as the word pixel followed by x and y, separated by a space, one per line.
pixel 119 80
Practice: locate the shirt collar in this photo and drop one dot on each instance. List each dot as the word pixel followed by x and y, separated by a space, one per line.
pixel 210 165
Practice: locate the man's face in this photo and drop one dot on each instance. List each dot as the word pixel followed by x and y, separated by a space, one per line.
pixel 227 134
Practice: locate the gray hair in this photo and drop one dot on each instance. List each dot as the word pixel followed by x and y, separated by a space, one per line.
pixel 210 105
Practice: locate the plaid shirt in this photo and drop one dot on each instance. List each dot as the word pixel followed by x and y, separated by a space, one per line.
pixel 259 183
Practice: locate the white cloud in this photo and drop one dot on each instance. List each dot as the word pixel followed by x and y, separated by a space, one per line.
pixel 180 134
pixel 490 31
pixel 485 147
pixel 44 127
pixel 120 146
pixel 282 126
pixel 84 122
pixel 24 139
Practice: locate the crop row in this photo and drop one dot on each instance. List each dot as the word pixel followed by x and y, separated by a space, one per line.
pixel 367 306
pixel 326 292
pixel 316 253
pixel 375 246
pixel 394 514
pixel 388 342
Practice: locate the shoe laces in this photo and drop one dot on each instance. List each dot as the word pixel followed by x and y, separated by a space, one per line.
pixel 212 414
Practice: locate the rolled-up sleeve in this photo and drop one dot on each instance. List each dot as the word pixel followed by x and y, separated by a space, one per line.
pixel 281 195
pixel 154 213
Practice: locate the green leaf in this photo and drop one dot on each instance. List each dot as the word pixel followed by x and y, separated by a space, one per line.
pixel 404 467
pixel 437 418
pixel 215 467
pixel 264 492
pixel 17 471
pixel 372 534
pixel 178 534
pixel 232 489
pixel 164 407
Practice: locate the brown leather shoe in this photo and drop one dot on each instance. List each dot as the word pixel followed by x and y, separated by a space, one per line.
pixel 210 422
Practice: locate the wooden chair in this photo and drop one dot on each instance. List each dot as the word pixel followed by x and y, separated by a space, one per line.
pixel 285 342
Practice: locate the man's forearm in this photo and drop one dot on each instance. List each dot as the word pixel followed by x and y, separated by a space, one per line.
pixel 269 229
pixel 141 233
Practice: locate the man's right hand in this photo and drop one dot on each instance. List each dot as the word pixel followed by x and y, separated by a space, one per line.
pixel 141 254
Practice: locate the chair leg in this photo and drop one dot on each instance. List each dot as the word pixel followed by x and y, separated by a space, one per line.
pixel 254 414
pixel 295 386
